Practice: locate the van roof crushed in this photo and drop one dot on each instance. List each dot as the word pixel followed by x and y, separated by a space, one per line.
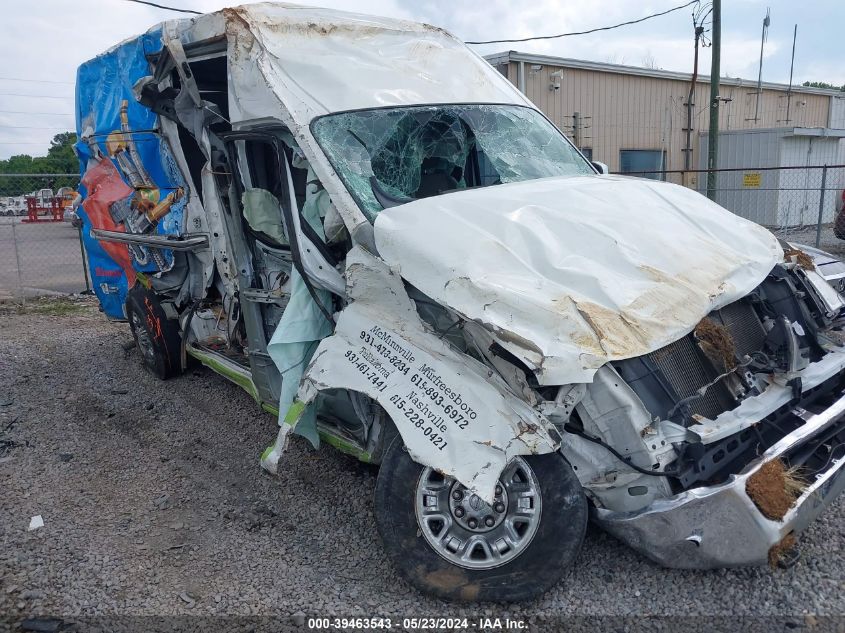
pixel 323 60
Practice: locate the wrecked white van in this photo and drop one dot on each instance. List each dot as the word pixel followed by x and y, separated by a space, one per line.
pixel 376 235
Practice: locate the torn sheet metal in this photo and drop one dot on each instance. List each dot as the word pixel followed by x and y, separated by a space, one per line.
pixel 569 273
pixel 294 64
pixel 827 295
pixel 130 179
pixel 453 413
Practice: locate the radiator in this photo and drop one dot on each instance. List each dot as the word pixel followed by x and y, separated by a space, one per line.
pixel 743 324
pixel 686 368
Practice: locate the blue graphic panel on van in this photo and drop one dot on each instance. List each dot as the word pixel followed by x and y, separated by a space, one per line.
pixel 130 180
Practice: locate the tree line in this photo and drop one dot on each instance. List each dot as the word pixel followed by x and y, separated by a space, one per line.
pixel 823 84
pixel 60 159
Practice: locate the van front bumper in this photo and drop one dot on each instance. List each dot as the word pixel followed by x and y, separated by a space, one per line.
pixel 720 526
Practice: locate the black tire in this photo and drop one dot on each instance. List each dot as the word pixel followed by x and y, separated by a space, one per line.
pixel 563 522
pixel 156 336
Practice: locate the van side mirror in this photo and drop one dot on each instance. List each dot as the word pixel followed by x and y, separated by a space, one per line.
pixel 601 168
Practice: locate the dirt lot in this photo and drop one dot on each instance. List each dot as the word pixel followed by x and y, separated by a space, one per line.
pixel 154 504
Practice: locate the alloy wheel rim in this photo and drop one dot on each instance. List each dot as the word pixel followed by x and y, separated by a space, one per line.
pixel 470 533
pixel 145 343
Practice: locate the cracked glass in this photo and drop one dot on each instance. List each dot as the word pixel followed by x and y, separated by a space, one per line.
pixel 390 156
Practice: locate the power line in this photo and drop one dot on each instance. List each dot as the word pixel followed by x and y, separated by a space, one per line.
pixel 161 6
pixel 601 28
pixel 28 112
pixel 18 94
pixel 37 81
pixel 36 127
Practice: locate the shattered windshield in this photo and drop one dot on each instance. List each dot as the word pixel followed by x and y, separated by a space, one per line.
pixel 394 155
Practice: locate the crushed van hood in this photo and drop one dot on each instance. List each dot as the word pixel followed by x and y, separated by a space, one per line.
pixel 570 273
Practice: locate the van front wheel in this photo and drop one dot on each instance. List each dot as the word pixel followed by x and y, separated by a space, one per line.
pixel 448 542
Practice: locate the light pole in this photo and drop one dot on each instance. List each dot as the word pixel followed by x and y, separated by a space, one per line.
pixel 713 136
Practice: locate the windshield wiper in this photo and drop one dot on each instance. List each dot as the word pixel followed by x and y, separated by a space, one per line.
pixel 382 197
pixel 385 199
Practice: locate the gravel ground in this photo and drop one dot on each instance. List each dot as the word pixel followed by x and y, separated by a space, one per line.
pixel 154 504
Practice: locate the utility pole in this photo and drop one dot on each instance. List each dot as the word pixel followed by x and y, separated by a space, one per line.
pixel 691 100
pixel 766 22
pixel 715 71
pixel 791 68
pixel 576 129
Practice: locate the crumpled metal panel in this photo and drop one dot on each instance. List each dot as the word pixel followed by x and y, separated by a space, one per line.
pixel 453 413
pixel 127 169
pixel 320 60
pixel 569 273
pixel 720 526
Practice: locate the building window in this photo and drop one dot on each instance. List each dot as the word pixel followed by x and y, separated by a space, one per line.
pixel 588 153
pixel 645 163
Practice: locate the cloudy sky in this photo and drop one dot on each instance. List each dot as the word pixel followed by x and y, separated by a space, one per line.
pixel 43 41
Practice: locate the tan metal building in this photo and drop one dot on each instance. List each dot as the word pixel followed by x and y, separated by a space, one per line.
pixel 635 119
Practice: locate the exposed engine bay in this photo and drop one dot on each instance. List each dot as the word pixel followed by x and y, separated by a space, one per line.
pixel 737 352
pixel 631 434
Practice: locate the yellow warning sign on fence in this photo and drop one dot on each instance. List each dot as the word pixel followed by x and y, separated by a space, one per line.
pixel 752 179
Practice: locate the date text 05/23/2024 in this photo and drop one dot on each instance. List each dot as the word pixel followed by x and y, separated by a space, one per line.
pixel 417 624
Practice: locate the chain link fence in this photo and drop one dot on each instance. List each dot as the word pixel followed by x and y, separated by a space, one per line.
pixel 798 204
pixel 41 252
pixel 40 249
